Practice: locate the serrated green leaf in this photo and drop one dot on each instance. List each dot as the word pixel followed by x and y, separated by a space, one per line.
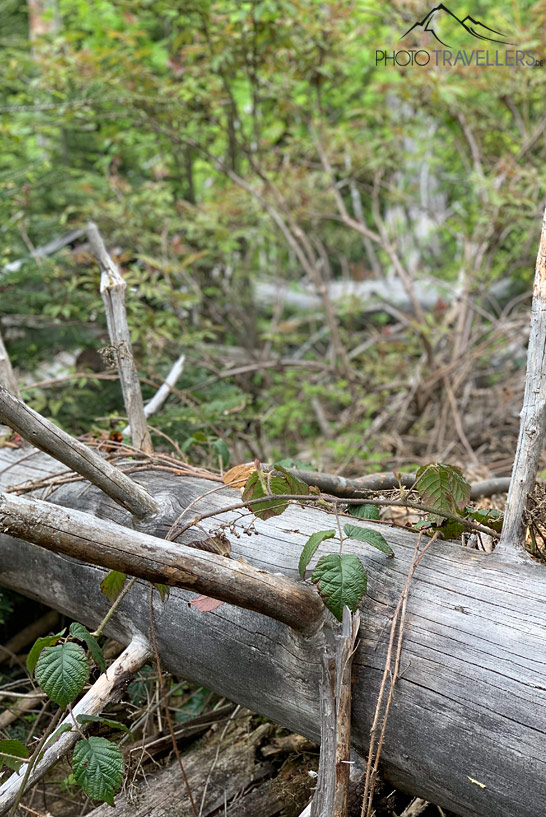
pixel 310 547
pixel 270 507
pixel 372 537
pixel 15 748
pixel 82 634
pixel 98 768
pixel 442 487
pixel 62 672
pixel 364 511
pixel 38 646
pixel 81 719
pixel 341 581
pixel 112 584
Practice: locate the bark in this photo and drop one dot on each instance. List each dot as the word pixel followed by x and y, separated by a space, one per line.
pixel 468 722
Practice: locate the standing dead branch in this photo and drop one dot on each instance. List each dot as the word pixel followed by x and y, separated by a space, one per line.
pixel 533 418
pixel 164 390
pixel 7 377
pixel 112 288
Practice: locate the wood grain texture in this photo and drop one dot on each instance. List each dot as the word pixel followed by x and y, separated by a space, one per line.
pixel 471 701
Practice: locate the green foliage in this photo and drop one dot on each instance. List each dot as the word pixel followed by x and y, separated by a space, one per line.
pixel 310 548
pixel 81 633
pixel 282 483
pixel 372 537
pixel 14 748
pixel 112 584
pixel 62 672
pixel 365 511
pixel 98 768
pixel 83 719
pixel 38 646
pixel 442 487
pixel 341 581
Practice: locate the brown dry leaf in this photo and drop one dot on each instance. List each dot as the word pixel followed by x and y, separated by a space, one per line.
pixel 237 476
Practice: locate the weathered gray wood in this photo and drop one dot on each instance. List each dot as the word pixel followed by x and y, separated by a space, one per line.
pixel 532 428
pixel 112 290
pixel 49 438
pixel 470 704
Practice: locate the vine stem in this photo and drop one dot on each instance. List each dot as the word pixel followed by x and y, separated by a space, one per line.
pixel 34 759
pixel 175 531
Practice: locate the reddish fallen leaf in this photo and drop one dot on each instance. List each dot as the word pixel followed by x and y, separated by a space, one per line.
pixel 205 604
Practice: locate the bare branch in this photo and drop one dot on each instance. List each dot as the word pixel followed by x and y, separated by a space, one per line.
pixel 7 377
pixel 533 417
pixel 164 390
pixel 58 444
pixel 112 288
pixel 100 542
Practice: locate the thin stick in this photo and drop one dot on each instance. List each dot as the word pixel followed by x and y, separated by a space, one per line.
pixel 48 437
pixel 112 289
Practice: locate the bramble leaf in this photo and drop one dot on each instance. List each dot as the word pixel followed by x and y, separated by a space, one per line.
pixel 372 537
pixel 98 768
pixel 341 580
pixel 62 672
pixel 310 547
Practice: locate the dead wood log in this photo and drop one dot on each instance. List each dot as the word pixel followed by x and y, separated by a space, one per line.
pixel 468 721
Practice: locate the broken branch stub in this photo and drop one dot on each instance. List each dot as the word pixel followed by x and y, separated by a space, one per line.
pixel 533 418
pixel 112 289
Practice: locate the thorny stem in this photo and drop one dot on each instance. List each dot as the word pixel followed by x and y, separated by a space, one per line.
pixel 34 759
pixel 117 601
pixel 175 531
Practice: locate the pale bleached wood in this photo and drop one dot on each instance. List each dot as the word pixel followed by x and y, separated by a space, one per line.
pixel 57 443
pixel 470 703
pixel 112 289
pixel 153 405
pixel 108 688
pixel 533 418
pixel 7 376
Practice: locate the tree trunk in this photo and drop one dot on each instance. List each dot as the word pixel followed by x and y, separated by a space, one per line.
pixel 468 722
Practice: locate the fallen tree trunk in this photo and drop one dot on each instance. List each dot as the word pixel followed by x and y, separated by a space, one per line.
pixel 468 721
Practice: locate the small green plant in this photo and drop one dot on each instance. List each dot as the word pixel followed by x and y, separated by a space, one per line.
pixel 61 666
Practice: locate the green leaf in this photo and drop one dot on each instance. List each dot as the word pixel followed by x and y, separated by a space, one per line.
pixel 442 487
pixel 372 537
pixel 81 719
pixel 82 634
pixel 294 485
pixel 364 511
pixel 310 547
pixel 270 507
pixel 98 768
pixel 491 517
pixel 12 747
pixel 38 646
pixel 64 727
pixel 62 672
pixel 112 584
pixel 162 589
pixel 223 451
pixel 341 580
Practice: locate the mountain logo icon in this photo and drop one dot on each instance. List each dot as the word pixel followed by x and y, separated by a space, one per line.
pixel 442 24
